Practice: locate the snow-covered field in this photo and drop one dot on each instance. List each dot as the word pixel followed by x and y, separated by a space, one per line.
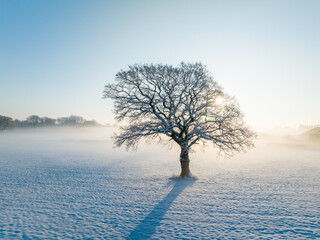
pixel 71 184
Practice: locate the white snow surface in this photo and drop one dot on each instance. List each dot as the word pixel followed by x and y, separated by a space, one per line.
pixel 72 184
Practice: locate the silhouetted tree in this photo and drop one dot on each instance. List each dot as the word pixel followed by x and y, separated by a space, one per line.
pixel 48 122
pixel 71 121
pixel 183 103
pixel 6 122
pixel 90 123
pixel 36 121
pixel 19 123
pixel 33 121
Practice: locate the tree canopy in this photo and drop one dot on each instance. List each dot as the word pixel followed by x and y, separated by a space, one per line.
pixel 6 122
pixel 183 103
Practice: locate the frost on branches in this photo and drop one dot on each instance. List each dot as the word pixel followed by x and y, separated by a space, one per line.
pixel 183 103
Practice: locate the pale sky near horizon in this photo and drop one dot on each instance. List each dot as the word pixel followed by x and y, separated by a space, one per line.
pixel 56 56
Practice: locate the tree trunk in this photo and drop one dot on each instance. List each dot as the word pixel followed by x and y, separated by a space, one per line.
pixel 184 161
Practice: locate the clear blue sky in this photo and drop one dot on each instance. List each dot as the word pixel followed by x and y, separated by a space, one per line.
pixel 56 56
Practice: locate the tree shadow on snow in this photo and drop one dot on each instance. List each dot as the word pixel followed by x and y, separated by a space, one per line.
pixel 148 225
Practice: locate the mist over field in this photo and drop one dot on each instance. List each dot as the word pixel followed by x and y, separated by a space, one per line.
pixel 71 183
pixel 223 72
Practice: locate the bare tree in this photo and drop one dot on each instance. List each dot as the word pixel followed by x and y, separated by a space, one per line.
pixel 6 122
pixel 34 120
pixel 183 103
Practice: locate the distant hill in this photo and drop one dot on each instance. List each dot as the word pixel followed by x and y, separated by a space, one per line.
pixel 312 135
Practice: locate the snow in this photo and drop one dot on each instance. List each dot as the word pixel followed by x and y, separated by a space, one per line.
pixel 70 183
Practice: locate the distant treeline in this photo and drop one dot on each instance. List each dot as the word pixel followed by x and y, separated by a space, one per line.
pixel 36 121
